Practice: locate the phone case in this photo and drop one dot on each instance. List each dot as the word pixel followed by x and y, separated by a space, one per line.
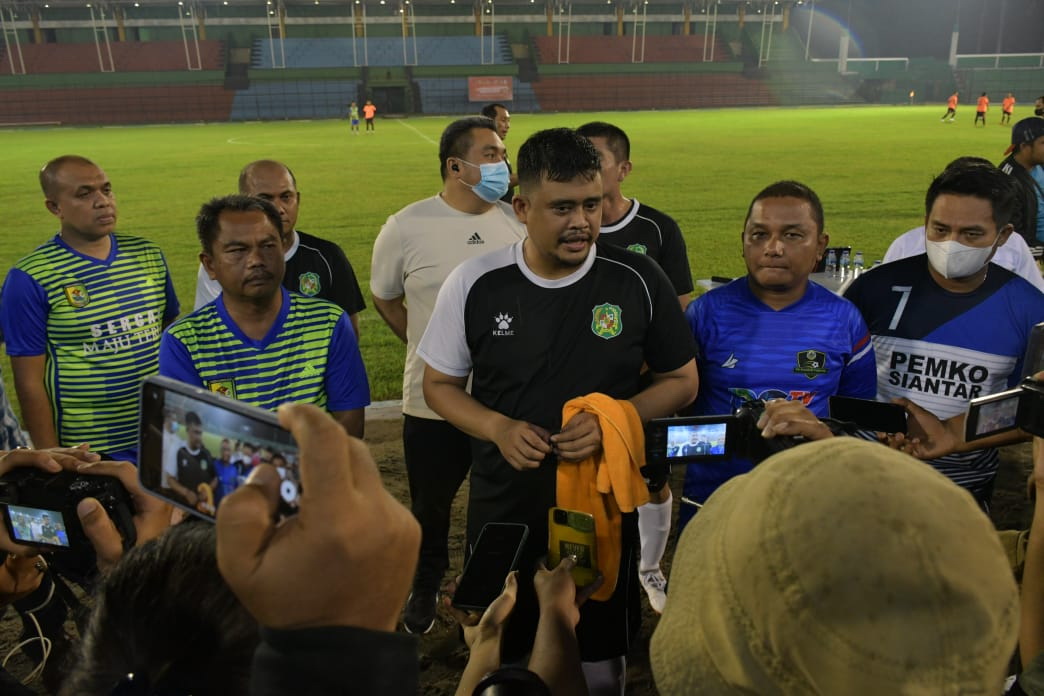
pixel 572 533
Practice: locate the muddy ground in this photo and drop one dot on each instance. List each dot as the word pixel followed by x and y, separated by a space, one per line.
pixel 442 656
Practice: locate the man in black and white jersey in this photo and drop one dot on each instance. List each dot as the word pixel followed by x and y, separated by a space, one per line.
pixel 639 228
pixel 536 324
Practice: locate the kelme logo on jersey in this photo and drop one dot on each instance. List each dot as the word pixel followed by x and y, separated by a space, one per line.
pixel 638 248
pixel 308 284
pixel 606 321
pixel 502 325
pixel 811 363
pixel 224 387
pixel 76 295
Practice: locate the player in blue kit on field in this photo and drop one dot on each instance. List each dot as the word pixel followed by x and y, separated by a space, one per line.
pixel 949 326
pixel 773 334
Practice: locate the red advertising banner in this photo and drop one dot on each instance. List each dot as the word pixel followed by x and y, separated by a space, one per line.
pixel 490 89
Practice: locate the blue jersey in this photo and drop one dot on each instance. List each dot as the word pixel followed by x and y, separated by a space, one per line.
pixel 309 355
pixel 98 323
pixel 815 348
pixel 940 349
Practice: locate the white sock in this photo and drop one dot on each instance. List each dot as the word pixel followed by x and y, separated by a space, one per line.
pixel 606 677
pixel 654 526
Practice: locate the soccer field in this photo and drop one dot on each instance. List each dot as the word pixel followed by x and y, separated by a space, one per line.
pixel 870 166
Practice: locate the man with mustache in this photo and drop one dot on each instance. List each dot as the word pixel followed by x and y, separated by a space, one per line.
pixel 536 324
pixel 315 267
pixel 82 316
pixel 258 342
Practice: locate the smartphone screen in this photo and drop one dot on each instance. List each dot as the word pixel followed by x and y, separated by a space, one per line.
pixel 868 414
pixel 196 447
pixel 29 525
pixel 496 554
pixel 572 533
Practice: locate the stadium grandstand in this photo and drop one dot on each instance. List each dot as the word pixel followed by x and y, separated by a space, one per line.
pixel 148 61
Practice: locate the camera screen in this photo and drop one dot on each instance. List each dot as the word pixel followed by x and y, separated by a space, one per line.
pixel 37 526
pixel 205 451
pixel 997 415
pixel 695 440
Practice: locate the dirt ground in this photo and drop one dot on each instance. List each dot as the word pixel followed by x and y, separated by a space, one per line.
pixel 442 656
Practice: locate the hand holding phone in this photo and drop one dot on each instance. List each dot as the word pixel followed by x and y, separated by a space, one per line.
pixel 347 558
pixel 879 416
pixel 496 554
pixel 572 534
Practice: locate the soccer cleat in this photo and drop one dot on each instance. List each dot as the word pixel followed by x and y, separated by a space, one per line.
pixel 419 616
pixel 655 588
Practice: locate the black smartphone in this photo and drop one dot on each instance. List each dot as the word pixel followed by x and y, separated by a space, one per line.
pixel 496 554
pixel 196 447
pixel 880 416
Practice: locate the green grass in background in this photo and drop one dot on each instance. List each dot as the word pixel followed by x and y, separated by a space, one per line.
pixel 870 166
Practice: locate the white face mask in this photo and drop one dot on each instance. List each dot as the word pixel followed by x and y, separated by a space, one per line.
pixel 951 259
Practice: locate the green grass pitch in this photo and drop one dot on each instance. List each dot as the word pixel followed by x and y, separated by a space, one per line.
pixel 870 166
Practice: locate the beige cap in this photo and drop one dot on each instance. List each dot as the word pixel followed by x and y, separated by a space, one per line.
pixel 838 567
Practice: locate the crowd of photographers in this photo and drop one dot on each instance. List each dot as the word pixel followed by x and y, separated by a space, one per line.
pixel 813 561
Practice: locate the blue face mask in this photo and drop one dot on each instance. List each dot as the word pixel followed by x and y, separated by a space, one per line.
pixel 494 181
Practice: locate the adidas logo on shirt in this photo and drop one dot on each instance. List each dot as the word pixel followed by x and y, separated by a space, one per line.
pixel 475 239
pixel 730 362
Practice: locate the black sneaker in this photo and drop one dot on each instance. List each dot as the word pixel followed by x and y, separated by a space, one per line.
pixel 419 616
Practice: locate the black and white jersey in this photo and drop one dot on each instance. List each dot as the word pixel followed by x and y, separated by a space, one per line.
pixel 645 230
pixel 319 268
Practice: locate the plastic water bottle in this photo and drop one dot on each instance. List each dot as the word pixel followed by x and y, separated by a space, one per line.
pixel 844 264
pixel 857 264
pixel 831 263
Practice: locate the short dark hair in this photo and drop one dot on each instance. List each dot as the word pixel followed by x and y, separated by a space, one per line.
pixel 248 170
pixel 790 189
pixel 557 154
pixel 207 221
pixel 49 172
pixel 165 615
pixel 490 110
pixel 192 419
pixel 615 139
pixel 988 183
pixel 456 139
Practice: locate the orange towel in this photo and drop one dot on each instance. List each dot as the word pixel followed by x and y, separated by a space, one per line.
pixel 607 483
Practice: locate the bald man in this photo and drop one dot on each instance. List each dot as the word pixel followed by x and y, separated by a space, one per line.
pixel 314 267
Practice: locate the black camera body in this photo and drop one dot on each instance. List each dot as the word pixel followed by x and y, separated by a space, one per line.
pixel 691 439
pixel 39 508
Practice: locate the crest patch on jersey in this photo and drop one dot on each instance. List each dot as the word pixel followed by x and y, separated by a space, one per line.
pixel 76 295
pixel 638 248
pixel 225 387
pixel 811 363
pixel 308 284
pixel 606 320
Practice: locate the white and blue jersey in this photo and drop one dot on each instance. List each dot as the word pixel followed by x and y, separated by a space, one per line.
pixel 816 347
pixel 941 349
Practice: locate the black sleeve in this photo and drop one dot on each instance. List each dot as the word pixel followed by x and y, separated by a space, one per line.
pixel 334 660
pixel 669 344
pixel 674 259
pixel 346 292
